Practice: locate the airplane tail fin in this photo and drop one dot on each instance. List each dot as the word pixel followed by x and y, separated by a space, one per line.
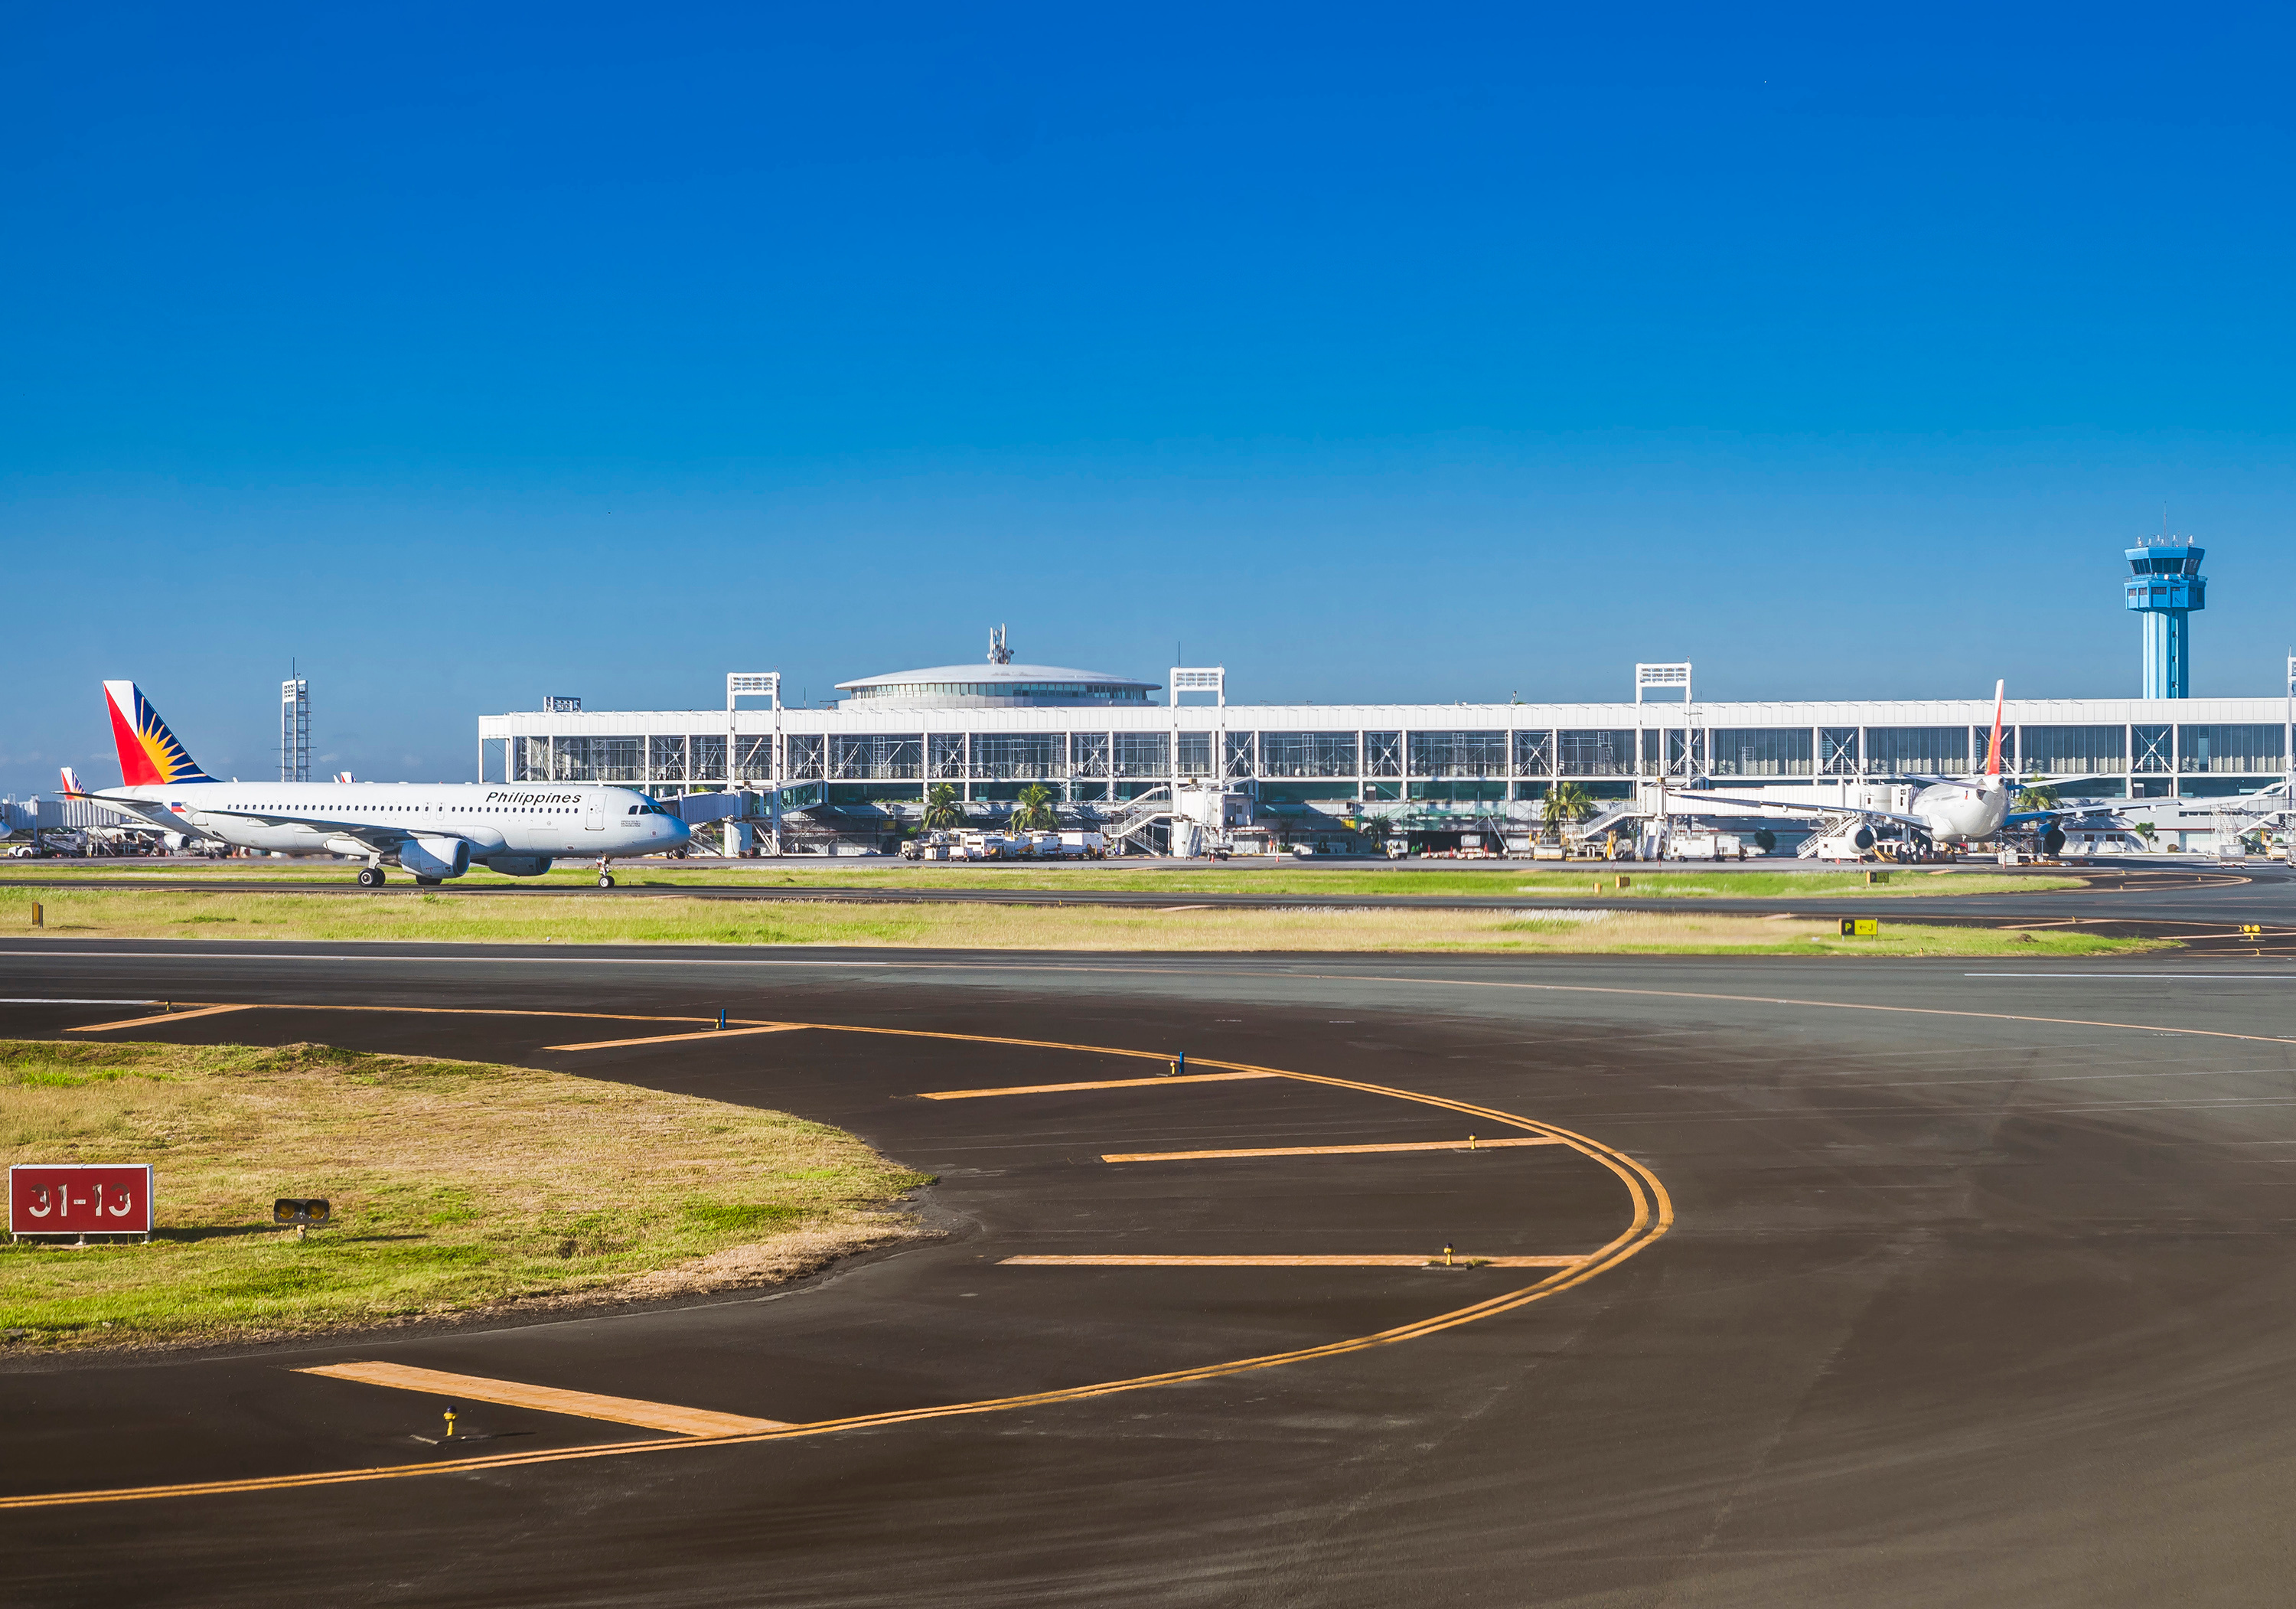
pixel 149 753
pixel 1993 760
pixel 72 790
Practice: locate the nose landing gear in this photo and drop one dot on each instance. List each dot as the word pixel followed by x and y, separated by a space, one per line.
pixel 605 877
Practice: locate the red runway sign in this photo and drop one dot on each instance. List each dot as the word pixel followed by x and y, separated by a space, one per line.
pixel 79 1198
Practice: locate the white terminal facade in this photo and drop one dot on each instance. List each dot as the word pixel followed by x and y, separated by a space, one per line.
pixel 1098 741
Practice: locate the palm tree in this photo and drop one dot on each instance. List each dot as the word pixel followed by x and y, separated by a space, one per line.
pixel 1033 811
pixel 2037 796
pixel 941 812
pixel 1566 802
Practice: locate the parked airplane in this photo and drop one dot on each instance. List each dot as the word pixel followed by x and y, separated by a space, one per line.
pixel 1947 809
pixel 433 830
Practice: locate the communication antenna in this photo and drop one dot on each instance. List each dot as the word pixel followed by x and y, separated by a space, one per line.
pixel 999 654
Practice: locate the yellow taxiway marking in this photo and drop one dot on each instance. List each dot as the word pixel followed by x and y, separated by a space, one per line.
pixel 1653 1217
pixel 1376 1261
pixel 1189 1156
pixel 671 1038
pixel 550 1399
pixel 1185 1078
pixel 172 1016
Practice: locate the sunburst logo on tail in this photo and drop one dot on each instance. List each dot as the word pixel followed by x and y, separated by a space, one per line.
pixel 149 753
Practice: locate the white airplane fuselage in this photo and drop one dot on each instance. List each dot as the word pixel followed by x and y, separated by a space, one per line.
pixel 1958 812
pixel 417 825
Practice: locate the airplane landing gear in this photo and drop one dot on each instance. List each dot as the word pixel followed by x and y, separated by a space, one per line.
pixel 371 877
pixel 605 877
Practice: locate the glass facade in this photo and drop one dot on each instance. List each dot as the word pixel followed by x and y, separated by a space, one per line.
pixel 1453 763
pixel 1458 754
pixel 1240 750
pixel 595 759
pixel 1307 754
pixel 2226 747
pixel 1837 748
pixel 2068 750
pixel 876 756
pixel 2154 747
pixel 1017 756
pixel 1760 752
pixel 1144 754
pixel 1934 749
pixel 1607 753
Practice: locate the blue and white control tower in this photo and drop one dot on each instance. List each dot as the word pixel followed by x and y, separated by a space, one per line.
pixel 2166 586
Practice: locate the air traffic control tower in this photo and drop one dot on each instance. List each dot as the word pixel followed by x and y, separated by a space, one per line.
pixel 2166 586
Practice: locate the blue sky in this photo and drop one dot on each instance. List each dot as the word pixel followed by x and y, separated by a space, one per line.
pixel 466 356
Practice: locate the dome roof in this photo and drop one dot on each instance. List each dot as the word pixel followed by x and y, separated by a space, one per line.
pixel 978 685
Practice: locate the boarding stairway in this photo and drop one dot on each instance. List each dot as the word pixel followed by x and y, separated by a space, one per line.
pixel 1610 816
pixel 1139 815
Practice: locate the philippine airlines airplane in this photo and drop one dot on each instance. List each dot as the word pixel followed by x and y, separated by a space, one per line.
pixel 433 830
pixel 1949 809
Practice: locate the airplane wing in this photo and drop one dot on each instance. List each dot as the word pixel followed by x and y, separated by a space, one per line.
pixel 1725 804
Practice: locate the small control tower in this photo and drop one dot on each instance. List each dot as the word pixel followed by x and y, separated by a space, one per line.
pixel 2166 586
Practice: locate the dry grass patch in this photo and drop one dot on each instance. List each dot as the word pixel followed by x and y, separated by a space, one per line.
pixel 1495 880
pixel 620 918
pixel 455 1186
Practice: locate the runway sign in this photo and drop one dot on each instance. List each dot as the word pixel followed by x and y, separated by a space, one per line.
pixel 1859 927
pixel 79 1198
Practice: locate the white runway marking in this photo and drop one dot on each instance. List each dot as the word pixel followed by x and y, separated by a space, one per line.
pixel 2155 976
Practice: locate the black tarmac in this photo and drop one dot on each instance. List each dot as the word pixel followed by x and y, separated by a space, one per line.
pixel 1977 1289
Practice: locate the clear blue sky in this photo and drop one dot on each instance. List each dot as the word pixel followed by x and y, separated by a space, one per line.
pixel 469 354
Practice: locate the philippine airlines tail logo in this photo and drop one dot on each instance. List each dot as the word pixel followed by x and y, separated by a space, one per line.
pixel 149 752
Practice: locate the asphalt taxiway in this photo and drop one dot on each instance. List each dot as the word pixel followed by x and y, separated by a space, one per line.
pixel 1843 1282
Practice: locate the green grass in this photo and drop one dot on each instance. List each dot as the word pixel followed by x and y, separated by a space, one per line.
pixel 455 1186
pixel 1491 879
pixel 620 918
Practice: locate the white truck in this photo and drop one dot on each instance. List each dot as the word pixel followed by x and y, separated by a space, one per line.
pixel 1695 845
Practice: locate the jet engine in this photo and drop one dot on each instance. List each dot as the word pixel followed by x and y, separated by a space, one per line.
pixel 435 857
pixel 2052 842
pixel 1862 837
pixel 520 866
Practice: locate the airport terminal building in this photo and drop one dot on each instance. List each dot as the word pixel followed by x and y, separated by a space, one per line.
pixel 1098 740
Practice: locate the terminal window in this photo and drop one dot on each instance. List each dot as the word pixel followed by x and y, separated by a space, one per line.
pixel 1759 750
pixel 1308 753
pixel 1597 753
pixel 2229 748
pixel 2075 750
pixel 1917 748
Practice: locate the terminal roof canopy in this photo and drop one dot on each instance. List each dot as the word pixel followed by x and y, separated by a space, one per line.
pixel 994 687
